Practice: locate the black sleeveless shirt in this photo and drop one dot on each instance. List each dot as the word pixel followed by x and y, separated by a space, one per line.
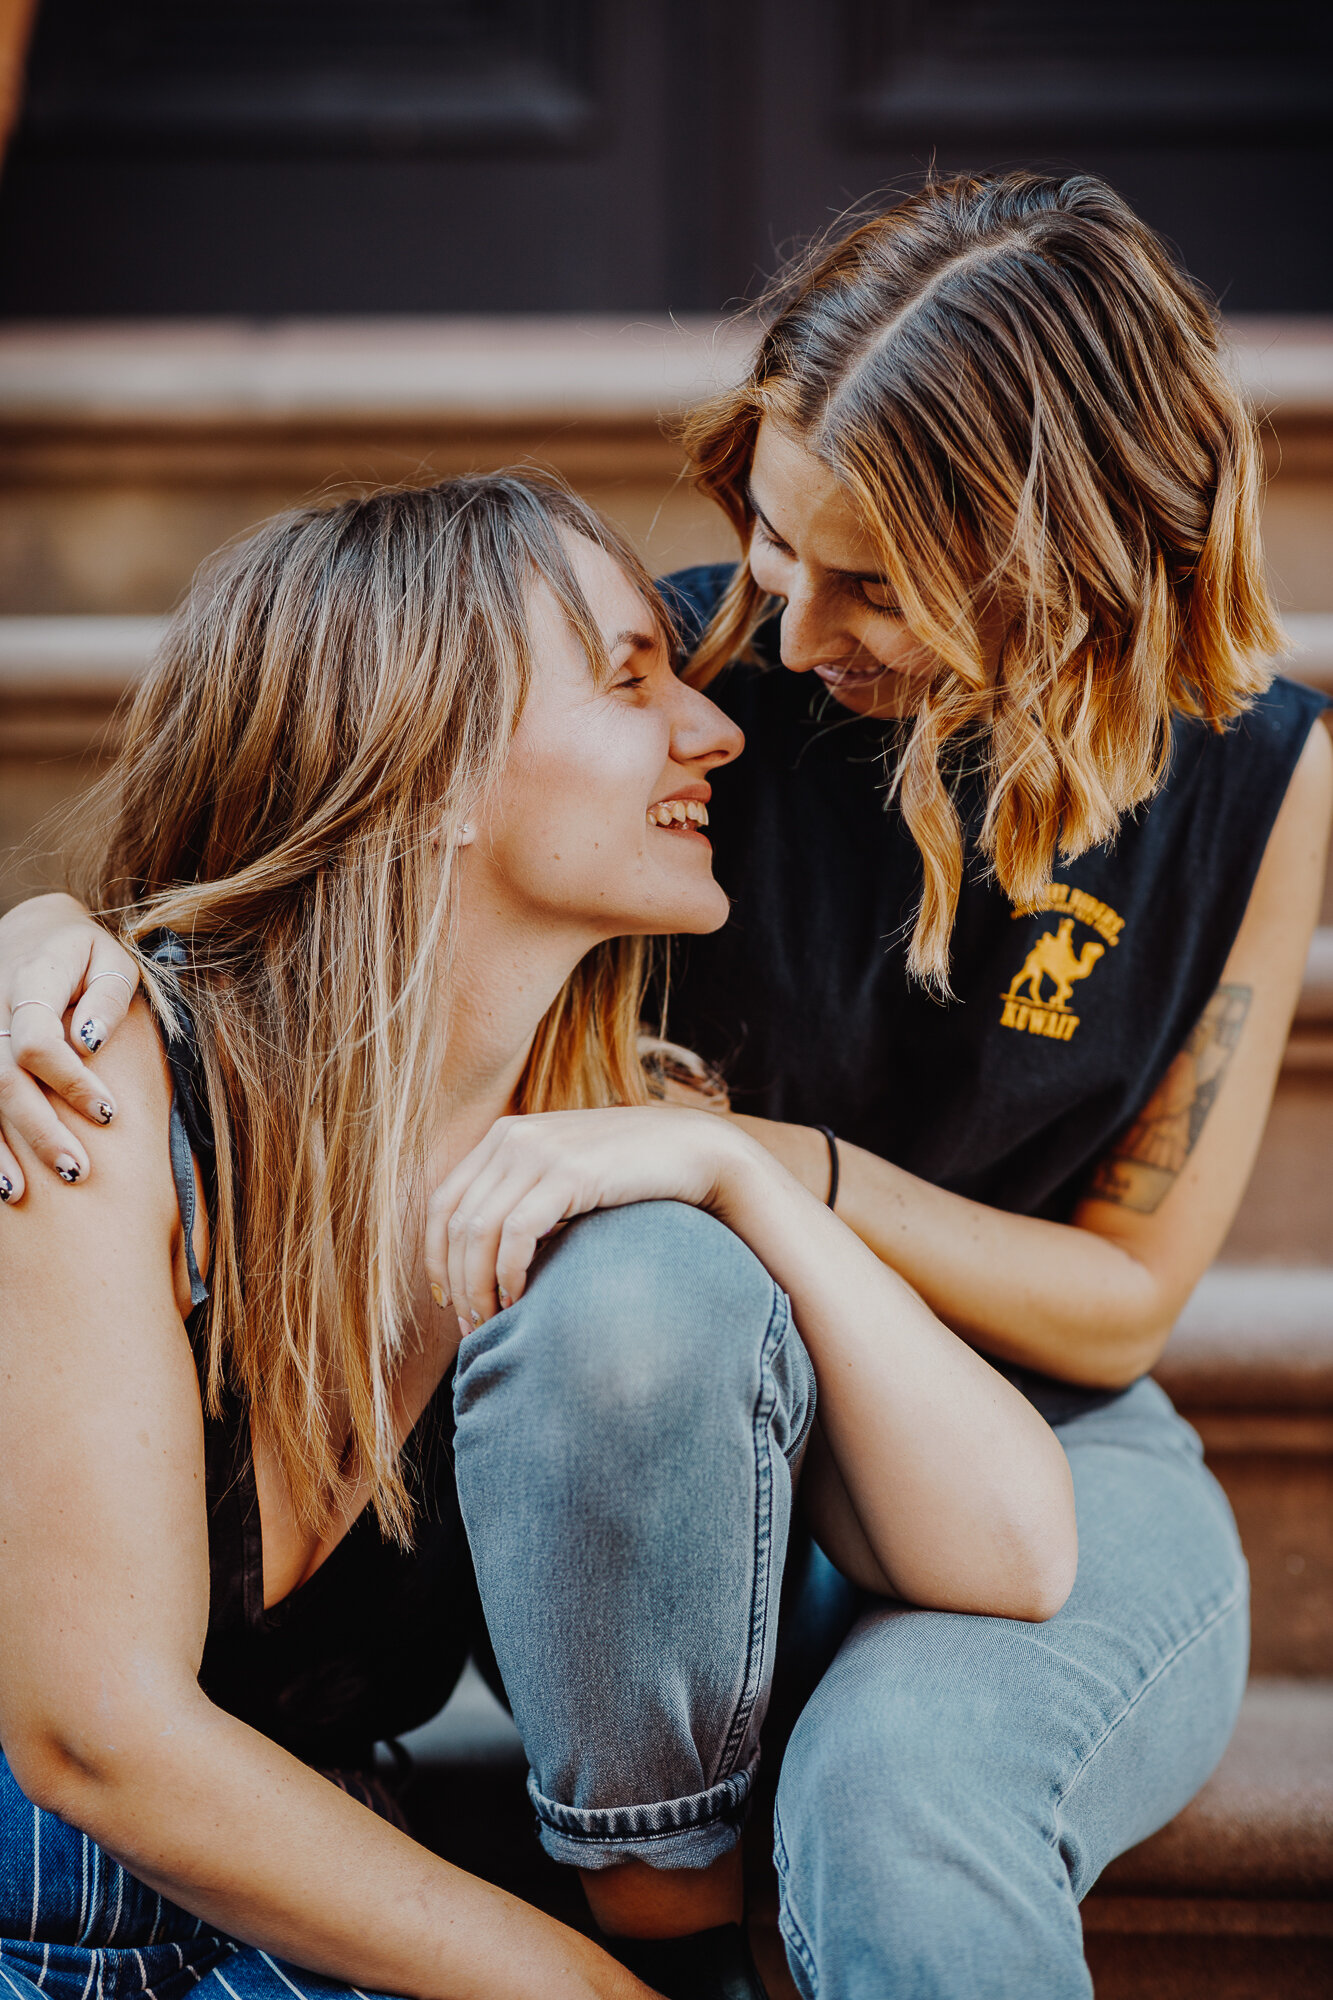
pixel 1064 1022
pixel 371 1645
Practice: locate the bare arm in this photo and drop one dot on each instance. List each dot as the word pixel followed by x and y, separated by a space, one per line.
pixel 103 1616
pixel 925 1459
pixel 1093 1301
pixel 939 1481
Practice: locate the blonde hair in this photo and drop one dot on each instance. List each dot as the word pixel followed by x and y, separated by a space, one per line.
pixel 330 705
pixel 1024 400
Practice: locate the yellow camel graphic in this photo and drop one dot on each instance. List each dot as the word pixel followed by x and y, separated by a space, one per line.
pixel 1052 957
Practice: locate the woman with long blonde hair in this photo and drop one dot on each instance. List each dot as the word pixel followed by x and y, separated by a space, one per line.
pixel 1024 854
pixel 308 1388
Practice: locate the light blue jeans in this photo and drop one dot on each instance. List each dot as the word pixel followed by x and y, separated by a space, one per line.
pixel 953 1784
pixel 625 1449
pixel 625 1444
pixel 956 1784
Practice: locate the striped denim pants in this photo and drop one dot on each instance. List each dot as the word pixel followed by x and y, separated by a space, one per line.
pixel 75 1925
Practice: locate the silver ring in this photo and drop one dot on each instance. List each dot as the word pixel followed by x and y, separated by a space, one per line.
pixel 32 1003
pixel 4 1034
pixel 109 975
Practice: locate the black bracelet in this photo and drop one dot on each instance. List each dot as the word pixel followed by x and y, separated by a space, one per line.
pixel 832 1164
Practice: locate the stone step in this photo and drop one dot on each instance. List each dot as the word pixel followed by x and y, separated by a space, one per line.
pixel 1234 1899
pixel 1286 1214
pixel 1253 1343
pixel 1250 1365
pixel 129 450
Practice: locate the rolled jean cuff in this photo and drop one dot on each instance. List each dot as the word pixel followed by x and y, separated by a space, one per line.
pixel 670 1833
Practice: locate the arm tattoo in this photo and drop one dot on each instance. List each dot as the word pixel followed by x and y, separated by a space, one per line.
pixel 1141 1170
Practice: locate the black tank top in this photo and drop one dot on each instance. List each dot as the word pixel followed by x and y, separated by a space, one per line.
pixel 372 1644
pixel 1064 1021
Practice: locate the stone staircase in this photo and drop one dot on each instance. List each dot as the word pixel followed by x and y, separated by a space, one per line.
pixel 1235 1898
pixel 130 452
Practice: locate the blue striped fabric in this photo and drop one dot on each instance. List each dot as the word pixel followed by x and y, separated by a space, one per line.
pixel 75 1925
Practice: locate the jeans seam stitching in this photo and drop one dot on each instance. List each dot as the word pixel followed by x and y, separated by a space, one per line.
pixel 765 1399
pixel 789 1925
pixel 615 1822
pixel 1229 1604
pixel 634 1837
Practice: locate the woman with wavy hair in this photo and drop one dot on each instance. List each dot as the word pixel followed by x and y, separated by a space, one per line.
pixel 294 1399
pixel 1024 856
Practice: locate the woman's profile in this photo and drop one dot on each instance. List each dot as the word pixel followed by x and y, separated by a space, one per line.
pixel 395 1318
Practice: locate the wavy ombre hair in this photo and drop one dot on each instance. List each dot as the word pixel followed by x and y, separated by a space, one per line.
pixel 335 698
pixel 1024 400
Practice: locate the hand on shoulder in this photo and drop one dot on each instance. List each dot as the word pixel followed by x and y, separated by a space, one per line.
pixel 90 1216
pixel 65 987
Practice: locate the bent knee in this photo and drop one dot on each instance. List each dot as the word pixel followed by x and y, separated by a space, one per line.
pixel 649 1292
pixel 657 1252
pixel 641 1310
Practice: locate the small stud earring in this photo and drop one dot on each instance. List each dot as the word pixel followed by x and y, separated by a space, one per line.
pixel 466 832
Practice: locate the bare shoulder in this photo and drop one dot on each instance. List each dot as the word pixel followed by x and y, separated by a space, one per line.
pixel 1285 897
pixel 1307 809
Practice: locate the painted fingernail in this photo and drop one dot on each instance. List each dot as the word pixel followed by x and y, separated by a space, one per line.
pixel 437 1293
pixel 505 1300
pixel 92 1034
pixel 475 1317
pixel 105 1113
pixel 68 1168
pixel 463 1326
pixel 6 1188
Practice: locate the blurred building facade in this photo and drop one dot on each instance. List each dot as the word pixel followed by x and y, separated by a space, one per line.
pixel 426 156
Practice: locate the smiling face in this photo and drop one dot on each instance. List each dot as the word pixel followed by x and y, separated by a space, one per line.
pixel 810 549
pixel 597 824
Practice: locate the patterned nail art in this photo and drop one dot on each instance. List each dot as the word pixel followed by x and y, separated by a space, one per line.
pixel 105 1114
pixel 475 1317
pixel 6 1188
pixel 67 1169
pixel 92 1036
pixel 505 1300
pixel 437 1293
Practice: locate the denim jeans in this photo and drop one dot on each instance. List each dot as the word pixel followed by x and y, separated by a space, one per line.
pixel 75 1925
pixel 624 1452
pixel 951 1787
pixel 952 1784
pixel 956 1784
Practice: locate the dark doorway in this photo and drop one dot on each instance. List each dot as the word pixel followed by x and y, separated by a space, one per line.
pixel 365 156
